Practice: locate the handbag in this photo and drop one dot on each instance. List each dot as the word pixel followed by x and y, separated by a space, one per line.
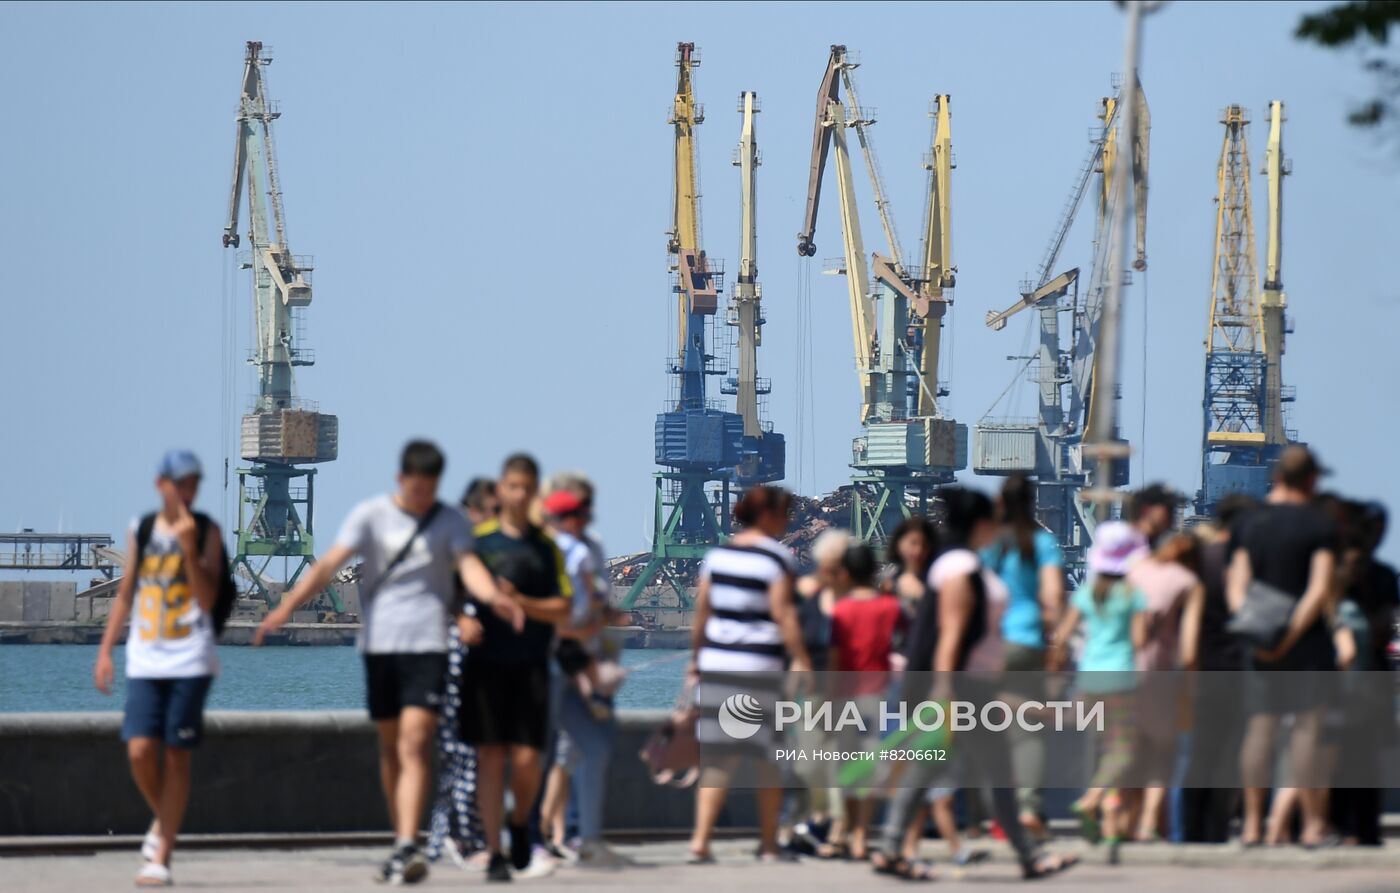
pixel 672 753
pixel 1264 617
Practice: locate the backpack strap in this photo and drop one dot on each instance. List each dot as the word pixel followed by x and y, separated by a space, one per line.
pixel 144 528
pixel 202 523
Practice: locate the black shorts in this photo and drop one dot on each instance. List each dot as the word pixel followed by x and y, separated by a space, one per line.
pixel 505 703
pixel 396 681
pixel 572 657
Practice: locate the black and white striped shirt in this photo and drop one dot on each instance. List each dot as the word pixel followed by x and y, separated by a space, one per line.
pixel 740 633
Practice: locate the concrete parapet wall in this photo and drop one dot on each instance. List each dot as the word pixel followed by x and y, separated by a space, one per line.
pixel 66 773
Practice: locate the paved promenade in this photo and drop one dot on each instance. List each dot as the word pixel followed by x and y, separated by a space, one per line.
pixel 661 866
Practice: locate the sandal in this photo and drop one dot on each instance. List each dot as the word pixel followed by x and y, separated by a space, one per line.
pixel 153 874
pixel 705 858
pixel 906 870
pixel 882 863
pixel 1047 864
pixel 833 851
pixel 1088 823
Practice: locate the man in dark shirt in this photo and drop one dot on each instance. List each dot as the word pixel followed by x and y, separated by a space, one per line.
pixel 1290 545
pixel 505 680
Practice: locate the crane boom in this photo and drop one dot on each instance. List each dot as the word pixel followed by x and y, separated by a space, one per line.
pixel 937 274
pixel 821 145
pixel 746 290
pixel 857 274
pixel 859 118
pixel 696 295
pixel 1273 302
pixel 1098 159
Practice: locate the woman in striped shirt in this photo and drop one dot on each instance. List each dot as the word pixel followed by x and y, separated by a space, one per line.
pixel 746 631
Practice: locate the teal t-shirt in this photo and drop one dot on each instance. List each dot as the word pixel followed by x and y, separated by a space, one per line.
pixel 1021 622
pixel 1108 629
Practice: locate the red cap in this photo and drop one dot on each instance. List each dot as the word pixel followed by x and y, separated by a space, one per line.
pixel 561 503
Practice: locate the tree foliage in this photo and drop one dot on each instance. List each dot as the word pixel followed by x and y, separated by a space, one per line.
pixel 1366 24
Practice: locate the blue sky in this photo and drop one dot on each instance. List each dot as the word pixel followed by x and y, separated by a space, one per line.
pixel 486 189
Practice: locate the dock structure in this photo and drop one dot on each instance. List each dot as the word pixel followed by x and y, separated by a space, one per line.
pixel 32 551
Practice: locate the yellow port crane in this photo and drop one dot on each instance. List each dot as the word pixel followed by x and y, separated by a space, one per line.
pixel 907 446
pixel 1244 419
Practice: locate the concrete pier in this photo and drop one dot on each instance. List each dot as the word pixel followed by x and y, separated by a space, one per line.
pixel 267 773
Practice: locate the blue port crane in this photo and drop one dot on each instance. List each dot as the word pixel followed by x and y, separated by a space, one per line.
pixel 706 452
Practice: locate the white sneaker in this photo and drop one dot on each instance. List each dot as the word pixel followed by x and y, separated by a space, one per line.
pixel 598 855
pixel 541 864
pixel 456 853
pixel 477 861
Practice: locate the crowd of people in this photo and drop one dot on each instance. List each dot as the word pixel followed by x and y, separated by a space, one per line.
pixel 483 631
pixel 985 591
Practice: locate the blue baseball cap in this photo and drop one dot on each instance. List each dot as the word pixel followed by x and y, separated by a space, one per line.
pixel 177 465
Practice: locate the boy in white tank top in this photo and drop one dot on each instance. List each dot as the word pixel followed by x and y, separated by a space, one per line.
pixel 170 653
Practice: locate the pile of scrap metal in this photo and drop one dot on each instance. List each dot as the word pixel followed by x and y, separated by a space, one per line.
pixel 810 516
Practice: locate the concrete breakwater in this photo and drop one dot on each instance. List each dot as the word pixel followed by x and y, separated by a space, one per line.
pixel 239 632
pixel 269 773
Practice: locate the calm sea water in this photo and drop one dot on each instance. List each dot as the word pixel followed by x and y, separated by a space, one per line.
pixel 59 678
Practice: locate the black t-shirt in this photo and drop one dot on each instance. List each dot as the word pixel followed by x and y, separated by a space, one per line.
pixel 534 566
pixel 1218 649
pixel 1281 539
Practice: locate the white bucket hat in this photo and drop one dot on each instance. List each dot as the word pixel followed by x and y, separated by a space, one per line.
pixel 1117 544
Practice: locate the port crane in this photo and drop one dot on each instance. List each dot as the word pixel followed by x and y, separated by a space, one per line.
pixel 907 446
pixel 1062 368
pixel 1244 415
pixel 282 434
pixel 764 450
pixel 705 451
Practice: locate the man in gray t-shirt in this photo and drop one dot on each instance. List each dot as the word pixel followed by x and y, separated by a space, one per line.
pixel 413 550
pixel 404 611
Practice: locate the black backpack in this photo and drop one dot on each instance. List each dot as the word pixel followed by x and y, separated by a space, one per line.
pixel 228 592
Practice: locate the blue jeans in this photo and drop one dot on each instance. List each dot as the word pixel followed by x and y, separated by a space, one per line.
pixel 592 743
